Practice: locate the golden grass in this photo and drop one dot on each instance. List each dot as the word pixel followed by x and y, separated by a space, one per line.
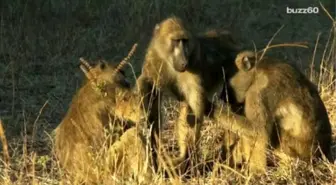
pixel 27 167
pixel 29 160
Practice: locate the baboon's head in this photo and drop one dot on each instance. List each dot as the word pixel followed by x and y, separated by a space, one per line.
pixel 223 40
pixel 245 60
pixel 244 76
pixel 173 43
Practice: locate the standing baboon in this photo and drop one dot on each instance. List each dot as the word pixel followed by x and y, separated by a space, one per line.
pixel 282 106
pixel 103 104
pixel 179 61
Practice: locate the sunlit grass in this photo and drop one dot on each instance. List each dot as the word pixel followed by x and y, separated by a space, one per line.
pixel 41 42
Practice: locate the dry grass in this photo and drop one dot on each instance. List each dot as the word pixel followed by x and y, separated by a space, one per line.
pixel 41 41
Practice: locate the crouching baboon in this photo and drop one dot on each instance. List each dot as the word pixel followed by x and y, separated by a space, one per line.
pixel 190 67
pixel 105 103
pixel 240 148
pixel 129 156
pixel 283 110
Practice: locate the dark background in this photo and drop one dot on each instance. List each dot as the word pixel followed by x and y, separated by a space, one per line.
pixel 42 40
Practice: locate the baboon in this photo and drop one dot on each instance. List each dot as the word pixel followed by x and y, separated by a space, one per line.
pixel 283 109
pixel 240 148
pixel 190 67
pixel 222 145
pixel 103 104
pixel 129 156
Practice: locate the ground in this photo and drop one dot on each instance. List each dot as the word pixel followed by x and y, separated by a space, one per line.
pixel 41 42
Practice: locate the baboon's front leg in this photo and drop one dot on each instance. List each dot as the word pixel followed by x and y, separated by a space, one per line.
pixel 189 126
pixel 182 131
pixel 185 137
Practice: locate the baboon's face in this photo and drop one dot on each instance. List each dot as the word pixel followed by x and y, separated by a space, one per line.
pixel 173 43
pixel 179 53
pixel 105 71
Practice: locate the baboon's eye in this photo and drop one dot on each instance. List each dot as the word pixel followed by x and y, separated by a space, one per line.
pixel 175 42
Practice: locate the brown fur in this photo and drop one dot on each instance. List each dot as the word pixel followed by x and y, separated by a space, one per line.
pixel 282 106
pixel 178 61
pixel 129 156
pixel 105 103
pixel 241 148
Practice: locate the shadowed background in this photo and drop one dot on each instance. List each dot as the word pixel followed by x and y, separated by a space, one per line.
pixel 42 40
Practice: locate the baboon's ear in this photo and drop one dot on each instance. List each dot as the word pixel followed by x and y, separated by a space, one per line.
pixel 156 29
pixel 247 63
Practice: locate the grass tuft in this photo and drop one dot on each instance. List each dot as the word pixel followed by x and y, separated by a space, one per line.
pixel 41 41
